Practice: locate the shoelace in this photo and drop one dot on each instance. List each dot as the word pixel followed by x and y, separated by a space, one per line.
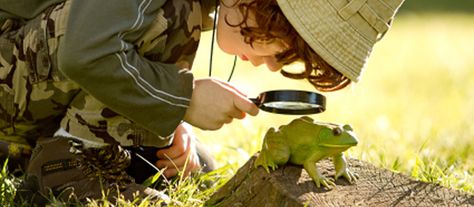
pixel 109 163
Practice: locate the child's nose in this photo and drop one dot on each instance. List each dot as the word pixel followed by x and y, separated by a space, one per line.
pixel 256 61
pixel 272 64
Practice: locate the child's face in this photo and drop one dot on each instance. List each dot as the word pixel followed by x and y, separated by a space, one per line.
pixel 232 42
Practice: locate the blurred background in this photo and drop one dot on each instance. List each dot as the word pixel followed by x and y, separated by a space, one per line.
pixel 413 109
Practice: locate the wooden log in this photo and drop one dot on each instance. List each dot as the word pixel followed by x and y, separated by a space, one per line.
pixel 290 186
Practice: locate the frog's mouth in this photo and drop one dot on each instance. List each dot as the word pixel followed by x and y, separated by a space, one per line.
pixel 336 146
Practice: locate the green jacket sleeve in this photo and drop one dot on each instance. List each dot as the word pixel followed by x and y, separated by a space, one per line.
pixel 25 9
pixel 97 52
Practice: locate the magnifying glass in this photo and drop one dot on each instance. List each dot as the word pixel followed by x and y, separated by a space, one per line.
pixel 291 102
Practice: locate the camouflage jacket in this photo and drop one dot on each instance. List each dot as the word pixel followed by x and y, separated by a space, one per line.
pixel 121 67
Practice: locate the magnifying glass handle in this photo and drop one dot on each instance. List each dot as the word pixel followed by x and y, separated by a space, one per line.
pixel 256 101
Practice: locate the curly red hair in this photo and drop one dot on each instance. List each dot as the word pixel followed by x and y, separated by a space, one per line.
pixel 273 25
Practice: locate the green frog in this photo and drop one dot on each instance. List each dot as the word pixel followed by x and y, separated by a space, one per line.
pixel 304 142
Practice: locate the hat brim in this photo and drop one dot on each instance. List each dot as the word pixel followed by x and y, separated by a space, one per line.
pixel 344 48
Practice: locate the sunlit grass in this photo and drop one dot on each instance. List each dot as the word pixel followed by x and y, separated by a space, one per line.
pixel 7 186
pixel 412 110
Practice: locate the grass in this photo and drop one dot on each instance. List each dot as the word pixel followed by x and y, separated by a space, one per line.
pixel 413 109
pixel 7 186
pixel 460 6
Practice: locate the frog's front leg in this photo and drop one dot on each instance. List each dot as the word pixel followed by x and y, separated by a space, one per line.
pixel 311 167
pixel 275 151
pixel 340 164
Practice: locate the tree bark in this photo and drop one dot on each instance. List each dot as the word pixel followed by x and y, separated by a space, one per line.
pixel 290 186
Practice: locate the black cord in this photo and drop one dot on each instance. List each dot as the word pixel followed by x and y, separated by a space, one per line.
pixel 212 40
pixel 233 68
pixel 212 48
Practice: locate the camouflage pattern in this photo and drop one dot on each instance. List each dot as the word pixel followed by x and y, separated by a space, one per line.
pixel 36 98
pixel 88 118
pixel 34 95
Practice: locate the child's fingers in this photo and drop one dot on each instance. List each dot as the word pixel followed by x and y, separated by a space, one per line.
pixel 179 147
pixel 178 164
pixel 244 104
pixel 170 172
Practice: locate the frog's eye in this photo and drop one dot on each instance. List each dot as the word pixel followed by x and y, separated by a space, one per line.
pixel 337 131
pixel 347 127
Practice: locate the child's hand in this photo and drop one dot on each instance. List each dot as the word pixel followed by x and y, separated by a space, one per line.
pixel 174 158
pixel 215 103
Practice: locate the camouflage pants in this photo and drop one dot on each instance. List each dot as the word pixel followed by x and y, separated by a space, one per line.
pixel 34 94
pixel 36 99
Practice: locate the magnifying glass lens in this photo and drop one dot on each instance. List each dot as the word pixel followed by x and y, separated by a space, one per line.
pixel 291 102
pixel 291 105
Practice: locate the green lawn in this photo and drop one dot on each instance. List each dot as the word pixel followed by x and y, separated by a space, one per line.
pixel 413 109
pixel 458 6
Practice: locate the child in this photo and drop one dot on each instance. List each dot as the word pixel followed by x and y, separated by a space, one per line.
pixel 115 75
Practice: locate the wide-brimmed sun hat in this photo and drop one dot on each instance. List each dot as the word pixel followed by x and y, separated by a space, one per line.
pixel 342 32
